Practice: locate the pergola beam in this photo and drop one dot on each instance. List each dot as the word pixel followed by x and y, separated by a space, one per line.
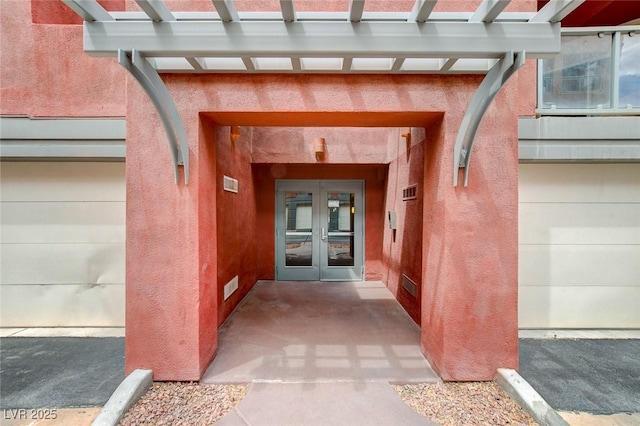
pixel 446 66
pixel 196 64
pixel 322 39
pixel 261 38
pixel 355 10
pixel 489 10
pixel 288 9
pixel 248 63
pixel 89 10
pixel 421 10
pixel 226 9
pixel 397 64
pixel 346 64
pixel 156 10
pixel 556 10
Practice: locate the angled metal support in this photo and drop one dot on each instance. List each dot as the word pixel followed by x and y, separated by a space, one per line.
pixel 487 91
pixel 155 88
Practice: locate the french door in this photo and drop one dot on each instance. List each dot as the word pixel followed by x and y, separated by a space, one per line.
pixel 319 230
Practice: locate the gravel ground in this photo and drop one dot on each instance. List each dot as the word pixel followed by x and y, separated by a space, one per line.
pixel 181 403
pixel 455 404
pixel 468 403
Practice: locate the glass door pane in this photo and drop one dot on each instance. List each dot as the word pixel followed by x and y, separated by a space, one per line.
pixel 340 219
pixel 299 233
pixel 341 230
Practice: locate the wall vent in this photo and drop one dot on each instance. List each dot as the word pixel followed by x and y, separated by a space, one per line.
pixel 410 192
pixel 230 287
pixel 409 285
pixel 230 184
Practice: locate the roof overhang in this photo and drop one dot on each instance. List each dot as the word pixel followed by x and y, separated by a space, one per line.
pixel 417 41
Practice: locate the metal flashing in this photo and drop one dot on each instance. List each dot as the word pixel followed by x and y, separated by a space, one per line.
pixel 62 139
pixel 579 139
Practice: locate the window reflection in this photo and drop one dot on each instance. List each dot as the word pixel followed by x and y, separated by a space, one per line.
pixel 585 72
pixel 630 71
pixel 341 217
pixel 579 77
pixel 299 221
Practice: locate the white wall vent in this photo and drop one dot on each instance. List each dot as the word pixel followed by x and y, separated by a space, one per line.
pixel 230 287
pixel 230 184
pixel 410 192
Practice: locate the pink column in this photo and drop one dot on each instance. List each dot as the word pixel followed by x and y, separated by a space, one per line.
pixel 171 302
pixel 470 245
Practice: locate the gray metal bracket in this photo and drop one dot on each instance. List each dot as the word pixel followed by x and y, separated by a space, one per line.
pixel 482 98
pixel 155 88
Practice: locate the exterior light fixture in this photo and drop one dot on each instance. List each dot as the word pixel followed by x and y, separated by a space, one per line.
pixel 319 148
pixel 234 133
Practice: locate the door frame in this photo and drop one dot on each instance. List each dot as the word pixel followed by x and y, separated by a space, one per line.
pixel 319 269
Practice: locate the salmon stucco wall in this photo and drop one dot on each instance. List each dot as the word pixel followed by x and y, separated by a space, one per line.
pixel 343 145
pixel 469 252
pixel 402 247
pixel 469 291
pixel 236 219
pixel 45 73
pixel 208 250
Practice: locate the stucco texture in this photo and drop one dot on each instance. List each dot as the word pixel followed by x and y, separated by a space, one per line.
pixel 469 235
pixel 45 73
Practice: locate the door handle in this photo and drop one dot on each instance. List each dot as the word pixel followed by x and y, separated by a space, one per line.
pixel 324 234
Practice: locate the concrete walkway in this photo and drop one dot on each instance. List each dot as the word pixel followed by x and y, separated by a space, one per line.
pixel 320 353
pixel 313 404
pixel 317 332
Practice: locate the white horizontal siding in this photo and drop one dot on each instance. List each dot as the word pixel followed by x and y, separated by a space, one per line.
pixel 63 222
pixel 580 265
pixel 579 246
pixel 601 183
pixel 579 223
pixel 579 307
pixel 62 263
pixel 62 305
pixel 62 244
pixel 57 182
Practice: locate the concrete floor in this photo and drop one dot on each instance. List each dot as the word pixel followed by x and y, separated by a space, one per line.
pixel 315 332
